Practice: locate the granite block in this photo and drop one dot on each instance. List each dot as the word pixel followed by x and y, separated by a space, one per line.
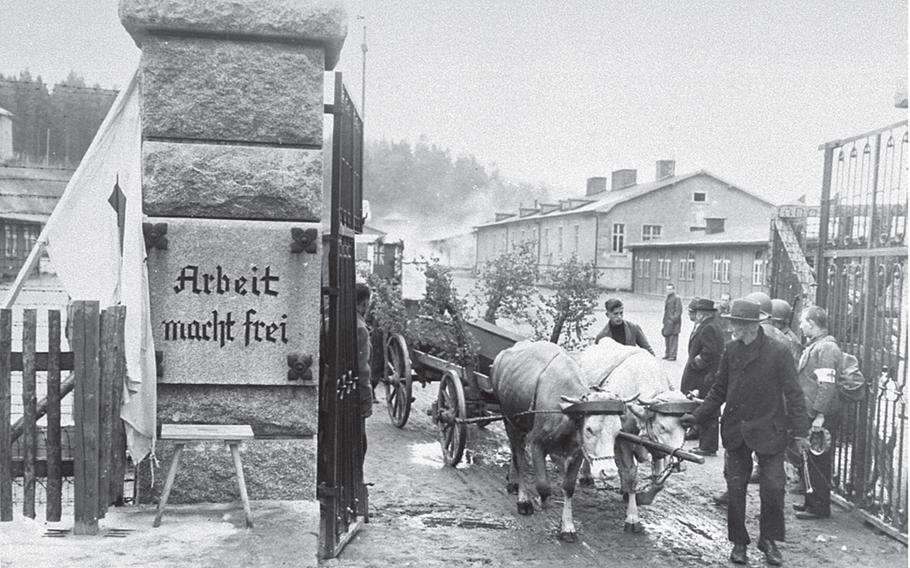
pixel 273 469
pixel 286 411
pixel 230 301
pixel 322 22
pixel 208 89
pixel 231 182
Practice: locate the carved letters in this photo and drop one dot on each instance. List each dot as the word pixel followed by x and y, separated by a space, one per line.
pixel 226 328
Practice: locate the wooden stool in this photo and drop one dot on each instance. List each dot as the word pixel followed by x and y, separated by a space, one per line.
pixel 231 434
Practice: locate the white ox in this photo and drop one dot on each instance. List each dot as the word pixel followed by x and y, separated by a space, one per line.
pixel 534 383
pixel 635 375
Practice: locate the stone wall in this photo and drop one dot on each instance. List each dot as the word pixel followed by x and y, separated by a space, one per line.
pixel 232 121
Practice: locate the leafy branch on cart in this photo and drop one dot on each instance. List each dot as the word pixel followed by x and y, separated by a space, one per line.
pixel 506 283
pixel 565 311
pixel 436 326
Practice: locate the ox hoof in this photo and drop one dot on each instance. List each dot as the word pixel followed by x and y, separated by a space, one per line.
pixel 512 488
pixel 632 528
pixel 525 508
pixel 568 537
pixel 586 482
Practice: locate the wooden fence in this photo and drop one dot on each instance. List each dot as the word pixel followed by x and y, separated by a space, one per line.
pixel 97 368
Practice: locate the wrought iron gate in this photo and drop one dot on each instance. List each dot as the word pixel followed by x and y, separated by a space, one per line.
pixel 861 268
pixel 341 491
pixel 855 242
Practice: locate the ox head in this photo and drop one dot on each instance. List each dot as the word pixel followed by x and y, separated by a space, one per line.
pixel 598 417
pixel 659 418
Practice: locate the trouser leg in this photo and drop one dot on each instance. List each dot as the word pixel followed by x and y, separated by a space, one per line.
pixel 819 501
pixel 671 345
pixel 772 484
pixel 737 469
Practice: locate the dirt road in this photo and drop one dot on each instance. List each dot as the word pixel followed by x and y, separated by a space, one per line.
pixel 427 514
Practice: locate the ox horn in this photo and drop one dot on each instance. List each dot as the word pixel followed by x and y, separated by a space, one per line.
pixel 647 402
pixel 633 399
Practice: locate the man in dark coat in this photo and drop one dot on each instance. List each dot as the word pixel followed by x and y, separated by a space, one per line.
pixel 757 384
pixel 706 344
pixel 672 322
pixel 622 331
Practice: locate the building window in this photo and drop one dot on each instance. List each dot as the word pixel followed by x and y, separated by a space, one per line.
pixel 758 272
pixel 619 237
pixel 650 232
pixel 663 268
pixel 721 271
pixel 11 238
pixel 546 242
pixel 699 197
pixel 523 238
pixel 559 241
pixel 687 267
pixel 576 238
pixel 644 267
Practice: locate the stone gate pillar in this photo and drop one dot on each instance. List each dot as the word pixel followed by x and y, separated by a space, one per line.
pixel 232 157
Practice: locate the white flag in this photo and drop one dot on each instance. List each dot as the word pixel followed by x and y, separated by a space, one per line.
pixel 94 239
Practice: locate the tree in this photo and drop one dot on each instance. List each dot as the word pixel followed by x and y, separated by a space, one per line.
pixel 506 282
pixel 565 314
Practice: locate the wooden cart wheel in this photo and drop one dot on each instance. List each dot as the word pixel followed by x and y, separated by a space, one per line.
pixel 450 405
pixel 397 380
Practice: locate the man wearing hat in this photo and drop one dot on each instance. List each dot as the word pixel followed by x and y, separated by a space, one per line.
pixel 757 385
pixel 705 347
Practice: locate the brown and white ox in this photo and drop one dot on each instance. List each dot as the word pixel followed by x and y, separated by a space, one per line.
pixel 534 383
pixel 636 376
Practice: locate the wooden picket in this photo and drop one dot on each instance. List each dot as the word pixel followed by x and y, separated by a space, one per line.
pixel 99 452
pixel 6 450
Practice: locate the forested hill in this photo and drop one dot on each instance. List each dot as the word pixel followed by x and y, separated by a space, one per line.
pixel 435 191
pixel 55 124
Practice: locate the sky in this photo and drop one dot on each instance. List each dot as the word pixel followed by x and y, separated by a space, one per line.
pixel 557 92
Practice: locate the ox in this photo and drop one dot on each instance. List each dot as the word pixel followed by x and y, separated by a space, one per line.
pixel 635 375
pixel 538 385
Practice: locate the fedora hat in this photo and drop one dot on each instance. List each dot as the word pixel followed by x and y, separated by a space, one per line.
pixel 745 310
pixel 703 304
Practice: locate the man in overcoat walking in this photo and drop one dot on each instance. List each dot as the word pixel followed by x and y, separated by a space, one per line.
pixel 671 323
pixel 757 384
pixel 706 344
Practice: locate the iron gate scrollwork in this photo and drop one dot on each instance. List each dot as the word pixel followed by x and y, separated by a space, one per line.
pixel 849 255
pixel 861 268
pixel 342 494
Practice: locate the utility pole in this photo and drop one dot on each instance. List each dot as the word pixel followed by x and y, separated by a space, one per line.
pixel 363 75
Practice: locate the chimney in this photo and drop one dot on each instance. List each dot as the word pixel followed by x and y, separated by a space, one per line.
pixel 665 169
pixel 596 185
pixel 6 135
pixel 623 178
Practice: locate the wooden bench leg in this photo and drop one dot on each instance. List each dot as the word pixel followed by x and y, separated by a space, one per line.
pixel 241 482
pixel 169 484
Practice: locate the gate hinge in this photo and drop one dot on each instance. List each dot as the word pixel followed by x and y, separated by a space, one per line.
pixel 324 491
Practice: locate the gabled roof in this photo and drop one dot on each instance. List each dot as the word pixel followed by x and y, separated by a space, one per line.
pixel 31 193
pixel 605 201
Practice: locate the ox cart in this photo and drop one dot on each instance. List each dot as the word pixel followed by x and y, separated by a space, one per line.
pixel 465 394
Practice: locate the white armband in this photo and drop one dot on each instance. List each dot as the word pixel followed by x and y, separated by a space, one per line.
pixel 825 375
